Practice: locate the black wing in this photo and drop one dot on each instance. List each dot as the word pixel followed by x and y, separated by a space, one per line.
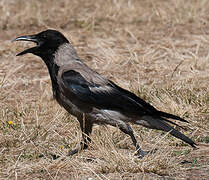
pixel 108 96
pixel 105 96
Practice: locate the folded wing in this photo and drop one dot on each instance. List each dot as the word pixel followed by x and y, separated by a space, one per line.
pixel 105 95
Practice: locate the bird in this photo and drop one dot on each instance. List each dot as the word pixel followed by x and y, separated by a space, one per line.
pixel 91 97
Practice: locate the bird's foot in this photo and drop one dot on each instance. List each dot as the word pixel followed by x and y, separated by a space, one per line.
pixel 79 148
pixel 73 152
pixel 142 153
pixel 54 156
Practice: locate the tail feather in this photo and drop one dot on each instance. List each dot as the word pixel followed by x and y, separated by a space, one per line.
pixel 162 125
pixel 167 115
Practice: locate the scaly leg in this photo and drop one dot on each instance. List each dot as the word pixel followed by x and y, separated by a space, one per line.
pixel 128 130
pixel 86 128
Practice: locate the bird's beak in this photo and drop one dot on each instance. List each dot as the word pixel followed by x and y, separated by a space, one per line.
pixel 31 38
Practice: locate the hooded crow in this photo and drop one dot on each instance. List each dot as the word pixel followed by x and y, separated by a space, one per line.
pixel 92 98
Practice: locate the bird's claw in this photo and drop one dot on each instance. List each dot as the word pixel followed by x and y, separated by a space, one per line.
pixel 142 153
pixel 73 152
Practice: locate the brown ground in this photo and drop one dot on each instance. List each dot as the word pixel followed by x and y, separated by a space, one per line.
pixel 157 49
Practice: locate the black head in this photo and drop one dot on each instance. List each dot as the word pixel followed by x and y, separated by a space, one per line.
pixel 47 42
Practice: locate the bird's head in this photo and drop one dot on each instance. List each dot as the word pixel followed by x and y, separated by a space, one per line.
pixel 47 42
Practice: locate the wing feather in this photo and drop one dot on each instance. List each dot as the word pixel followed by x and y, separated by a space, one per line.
pixel 106 96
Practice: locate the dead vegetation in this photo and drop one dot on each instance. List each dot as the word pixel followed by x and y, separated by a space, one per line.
pixel 157 49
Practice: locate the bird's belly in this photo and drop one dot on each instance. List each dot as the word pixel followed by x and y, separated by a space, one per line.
pixel 104 116
pixel 114 118
pixel 68 105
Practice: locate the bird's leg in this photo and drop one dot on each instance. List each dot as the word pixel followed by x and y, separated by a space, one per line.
pixel 128 130
pixel 86 128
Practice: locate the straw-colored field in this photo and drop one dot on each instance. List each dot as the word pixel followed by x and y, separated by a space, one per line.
pixel 156 49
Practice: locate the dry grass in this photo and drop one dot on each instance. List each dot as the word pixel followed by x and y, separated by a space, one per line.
pixel 157 49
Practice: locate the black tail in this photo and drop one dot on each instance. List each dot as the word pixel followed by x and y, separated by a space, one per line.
pixel 162 125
